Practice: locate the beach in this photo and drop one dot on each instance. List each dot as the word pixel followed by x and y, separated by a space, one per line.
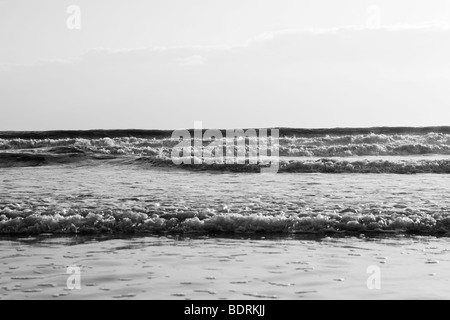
pixel 102 221
pixel 224 150
pixel 234 268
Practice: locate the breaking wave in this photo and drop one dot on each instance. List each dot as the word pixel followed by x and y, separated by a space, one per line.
pixel 368 151
pixel 298 152
pixel 303 165
pixel 311 145
pixel 150 219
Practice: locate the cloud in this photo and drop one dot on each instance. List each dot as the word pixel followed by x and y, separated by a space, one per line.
pixel 350 76
pixel 396 44
pixel 400 43
pixel 195 60
pixel 424 26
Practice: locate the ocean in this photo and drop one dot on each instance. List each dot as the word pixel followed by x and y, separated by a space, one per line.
pixel 365 191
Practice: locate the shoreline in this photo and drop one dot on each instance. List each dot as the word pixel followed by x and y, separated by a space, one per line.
pixel 206 268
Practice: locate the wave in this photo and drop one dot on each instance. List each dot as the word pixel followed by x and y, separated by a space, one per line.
pixel 317 166
pixel 308 150
pixel 402 151
pixel 370 144
pixel 24 159
pixel 150 219
pixel 324 165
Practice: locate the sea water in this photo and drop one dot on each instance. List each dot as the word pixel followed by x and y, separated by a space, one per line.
pixel 353 188
pixel 73 199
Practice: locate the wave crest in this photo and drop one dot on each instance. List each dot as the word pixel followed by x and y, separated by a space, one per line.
pixel 84 221
pixel 316 146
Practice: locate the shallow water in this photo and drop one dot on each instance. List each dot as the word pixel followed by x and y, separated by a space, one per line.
pixel 226 268
pixel 107 198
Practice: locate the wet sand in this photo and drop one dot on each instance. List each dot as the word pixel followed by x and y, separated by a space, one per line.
pixel 210 268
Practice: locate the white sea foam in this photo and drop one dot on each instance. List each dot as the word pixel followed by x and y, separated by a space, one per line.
pixel 49 199
pixel 319 146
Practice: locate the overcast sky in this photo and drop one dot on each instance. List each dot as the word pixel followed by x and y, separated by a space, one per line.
pixel 228 63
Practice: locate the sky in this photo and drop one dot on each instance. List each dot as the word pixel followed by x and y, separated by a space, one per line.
pixel 165 64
